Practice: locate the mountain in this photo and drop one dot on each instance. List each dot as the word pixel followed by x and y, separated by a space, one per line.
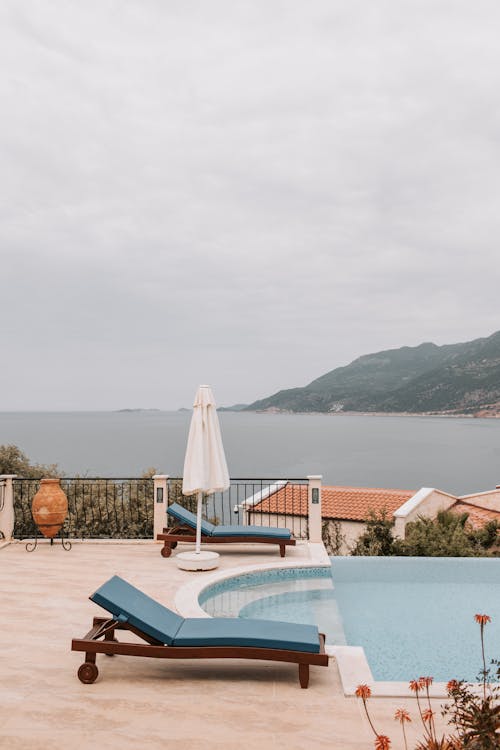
pixel 453 379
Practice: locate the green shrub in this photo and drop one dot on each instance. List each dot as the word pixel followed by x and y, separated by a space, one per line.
pixel 447 535
pixel 14 461
pixel 378 538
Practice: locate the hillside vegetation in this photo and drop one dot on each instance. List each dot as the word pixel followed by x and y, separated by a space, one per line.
pixel 452 379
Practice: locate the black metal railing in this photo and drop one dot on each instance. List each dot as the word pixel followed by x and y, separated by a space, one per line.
pixel 112 508
pixel 98 508
pixel 261 502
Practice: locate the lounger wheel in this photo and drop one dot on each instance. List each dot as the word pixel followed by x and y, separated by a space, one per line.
pixel 88 673
pixel 166 551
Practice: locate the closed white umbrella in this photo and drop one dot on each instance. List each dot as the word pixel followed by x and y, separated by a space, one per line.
pixel 205 467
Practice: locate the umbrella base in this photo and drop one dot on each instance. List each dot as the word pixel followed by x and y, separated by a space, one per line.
pixel 200 561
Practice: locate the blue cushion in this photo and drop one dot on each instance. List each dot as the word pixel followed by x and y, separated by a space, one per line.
pixel 185 516
pixel 267 531
pixel 222 631
pixel 126 602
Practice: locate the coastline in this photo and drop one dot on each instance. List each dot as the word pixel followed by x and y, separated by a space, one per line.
pixel 446 415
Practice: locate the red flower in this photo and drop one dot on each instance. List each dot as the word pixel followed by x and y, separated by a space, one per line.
pixel 414 686
pixel 452 686
pixel 401 715
pixel 382 742
pixel 428 714
pixel 363 691
pixel 425 682
pixel 482 619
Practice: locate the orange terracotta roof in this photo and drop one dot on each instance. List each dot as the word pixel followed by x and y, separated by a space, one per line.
pixel 478 516
pixel 343 503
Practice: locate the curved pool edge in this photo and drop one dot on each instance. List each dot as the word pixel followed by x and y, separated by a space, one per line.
pixel 186 597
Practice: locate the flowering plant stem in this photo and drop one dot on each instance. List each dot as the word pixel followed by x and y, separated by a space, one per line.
pixel 476 719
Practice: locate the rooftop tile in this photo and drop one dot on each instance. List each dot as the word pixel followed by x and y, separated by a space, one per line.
pixel 346 503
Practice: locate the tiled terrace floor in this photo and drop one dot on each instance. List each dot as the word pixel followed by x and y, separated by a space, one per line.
pixel 148 704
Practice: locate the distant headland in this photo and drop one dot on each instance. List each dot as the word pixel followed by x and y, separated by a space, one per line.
pixel 450 380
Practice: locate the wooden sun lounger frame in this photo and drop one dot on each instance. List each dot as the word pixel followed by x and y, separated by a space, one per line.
pixel 101 640
pixel 171 536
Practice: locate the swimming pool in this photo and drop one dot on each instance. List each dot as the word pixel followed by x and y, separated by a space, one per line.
pixel 412 616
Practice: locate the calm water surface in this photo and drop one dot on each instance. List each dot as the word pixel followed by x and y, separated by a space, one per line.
pixel 415 616
pixel 456 455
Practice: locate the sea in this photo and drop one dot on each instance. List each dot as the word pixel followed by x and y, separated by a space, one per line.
pixel 457 455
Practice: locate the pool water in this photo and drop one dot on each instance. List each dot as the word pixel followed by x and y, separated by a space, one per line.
pixel 415 616
pixel 412 616
pixel 302 595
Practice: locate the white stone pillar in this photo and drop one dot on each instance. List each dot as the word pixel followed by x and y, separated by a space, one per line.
pixel 314 498
pixel 160 485
pixel 7 505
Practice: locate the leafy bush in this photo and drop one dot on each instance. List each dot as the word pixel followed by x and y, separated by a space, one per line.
pixel 14 461
pixel 378 538
pixel 447 535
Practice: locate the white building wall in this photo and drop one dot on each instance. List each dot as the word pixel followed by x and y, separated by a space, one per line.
pixel 351 531
pixel 426 502
pixel 489 500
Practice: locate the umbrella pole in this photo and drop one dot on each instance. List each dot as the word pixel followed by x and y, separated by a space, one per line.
pixel 198 523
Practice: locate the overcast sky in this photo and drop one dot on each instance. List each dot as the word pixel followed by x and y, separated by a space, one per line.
pixel 246 194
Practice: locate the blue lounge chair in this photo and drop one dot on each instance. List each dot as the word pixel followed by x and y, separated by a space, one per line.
pixel 166 635
pixel 185 531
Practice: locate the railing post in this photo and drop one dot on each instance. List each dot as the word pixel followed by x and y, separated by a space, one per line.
pixel 314 502
pixel 160 484
pixel 7 505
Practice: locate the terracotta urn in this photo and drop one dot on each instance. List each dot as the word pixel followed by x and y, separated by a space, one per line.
pixel 49 507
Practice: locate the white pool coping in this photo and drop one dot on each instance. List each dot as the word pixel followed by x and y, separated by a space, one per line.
pixel 354 670
pixel 186 598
